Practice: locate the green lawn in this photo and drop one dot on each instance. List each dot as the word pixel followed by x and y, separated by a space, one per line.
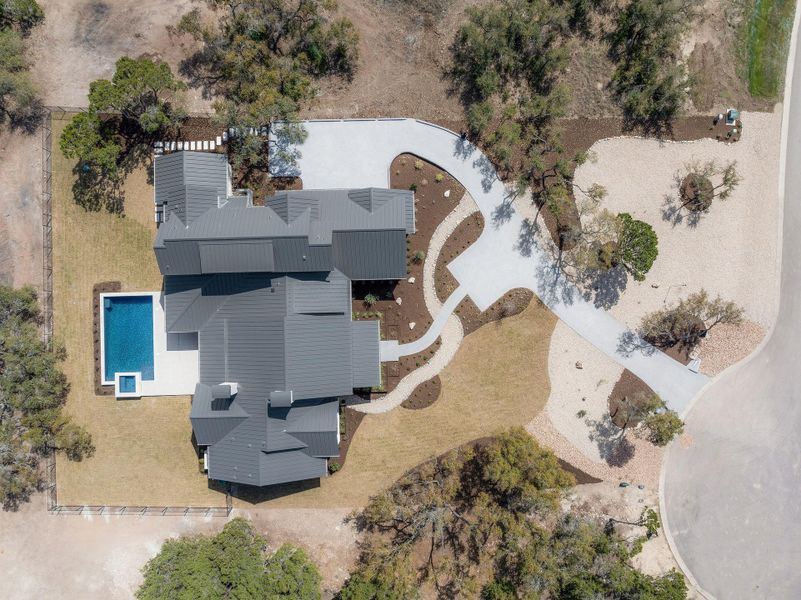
pixel 764 37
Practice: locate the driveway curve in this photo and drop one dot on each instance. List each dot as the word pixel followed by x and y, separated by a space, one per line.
pixel 358 153
pixel 730 494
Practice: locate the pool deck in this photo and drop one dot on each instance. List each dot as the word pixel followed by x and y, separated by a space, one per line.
pixel 175 356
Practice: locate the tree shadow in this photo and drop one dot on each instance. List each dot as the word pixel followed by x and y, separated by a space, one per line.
pixel 283 150
pixel 488 173
pixel 502 213
pixel 603 288
pixel 527 237
pixel 613 447
pixel 674 213
pixel 631 342
pixel 463 148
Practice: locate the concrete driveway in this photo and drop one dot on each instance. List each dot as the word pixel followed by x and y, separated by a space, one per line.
pixel 732 494
pixel 358 153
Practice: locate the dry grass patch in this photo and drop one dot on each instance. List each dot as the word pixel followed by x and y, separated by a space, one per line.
pixel 498 378
pixel 144 454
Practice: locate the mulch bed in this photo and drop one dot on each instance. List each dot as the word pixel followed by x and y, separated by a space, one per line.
pixel 353 418
pixel 510 304
pixel 424 395
pixel 100 288
pixel 465 234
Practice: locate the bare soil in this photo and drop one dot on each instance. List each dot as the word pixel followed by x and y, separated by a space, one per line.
pixel 465 234
pixel 714 63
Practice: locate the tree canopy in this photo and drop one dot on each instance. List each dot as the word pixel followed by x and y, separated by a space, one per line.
pixel 650 80
pixel 141 101
pixel 20 104
pixel 32 393
pixel 233 564
pixel 689 321
pixel 637 246
pixel 487 521
pixel 260 60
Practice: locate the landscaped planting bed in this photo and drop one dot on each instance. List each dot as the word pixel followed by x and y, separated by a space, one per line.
pixel 462 237
pixel 431 207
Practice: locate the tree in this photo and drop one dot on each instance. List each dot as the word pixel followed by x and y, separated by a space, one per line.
pixel 458 523
pixel 32 393
pixel 506 61
pixel 637 246
pixel 22 15
pixel 232 564
pixel 261 59
pixel 650 80
pixel 663 427
pixel 290 575
pixel 19 102
pixel 143 91
pixel 522 475
pixel 632 410
pixel 361 586
pixel 697 189
pixel 139 103
pixel 687 323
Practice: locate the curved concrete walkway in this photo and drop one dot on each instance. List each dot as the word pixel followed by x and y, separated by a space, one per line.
pixel 358 153
pixel 730 495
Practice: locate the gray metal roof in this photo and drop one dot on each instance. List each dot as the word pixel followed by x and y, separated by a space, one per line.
pixel 297 231
pixel 267 333
pixel 188 184
pixel 365 337
pixel 268 292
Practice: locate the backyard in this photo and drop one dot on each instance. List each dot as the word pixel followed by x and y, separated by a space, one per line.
pixel 144 455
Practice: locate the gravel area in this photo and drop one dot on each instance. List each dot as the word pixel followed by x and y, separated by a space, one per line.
pixel 586 389
pixel 726 345
pixel 734 249
pixel 643 468
pixel 590 442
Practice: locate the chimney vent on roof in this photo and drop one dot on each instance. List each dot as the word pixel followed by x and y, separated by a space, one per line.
pixel 281 399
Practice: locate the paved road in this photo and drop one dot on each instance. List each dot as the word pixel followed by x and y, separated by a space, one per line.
pixel 733 498
pixel 358 153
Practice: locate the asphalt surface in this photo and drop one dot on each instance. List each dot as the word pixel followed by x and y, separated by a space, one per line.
pixel 732 497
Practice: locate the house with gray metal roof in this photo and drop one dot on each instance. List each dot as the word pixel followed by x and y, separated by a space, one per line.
pixel 267 291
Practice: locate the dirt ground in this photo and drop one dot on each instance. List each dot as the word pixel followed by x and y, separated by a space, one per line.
pixel 39 559
pixel 608 500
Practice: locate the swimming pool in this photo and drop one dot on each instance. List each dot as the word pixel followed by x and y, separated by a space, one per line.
pixel 127 336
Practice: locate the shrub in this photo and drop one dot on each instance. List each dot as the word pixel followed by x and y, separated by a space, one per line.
pixel 439 177
pixel 418 165
pixel 419 256
pixel 413 187
pixel 333 467
pixel 370 299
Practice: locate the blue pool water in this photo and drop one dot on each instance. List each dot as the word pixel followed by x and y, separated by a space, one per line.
pixel 128 335
pixel 127 384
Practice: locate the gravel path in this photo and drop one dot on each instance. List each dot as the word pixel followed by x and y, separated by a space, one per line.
pixel 452 332
pixel 466 207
